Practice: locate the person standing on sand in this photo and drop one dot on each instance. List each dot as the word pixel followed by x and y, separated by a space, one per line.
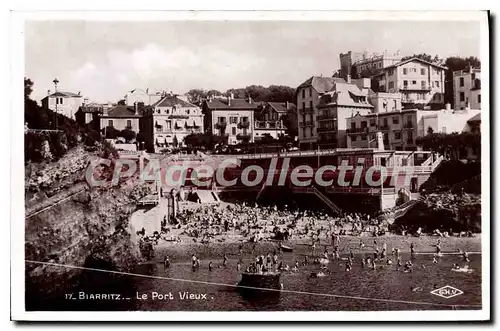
pixel 238 266
pixel 412 249
pixel 210 266
pixel 166 262
pixel 224 262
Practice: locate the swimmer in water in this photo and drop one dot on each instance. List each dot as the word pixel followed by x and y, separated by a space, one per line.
pixel 210 266
pixel 351 254
pixel 455 266
pixel 374 266
pixel 389 262
pixel 434 260
pixel 361 244
pixel 363 263
pixel 422 266
pixel 238 266
pixel 224 262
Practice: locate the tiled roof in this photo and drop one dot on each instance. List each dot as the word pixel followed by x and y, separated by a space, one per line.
pixel 64 94
pixel 233 104
pixel 91 108
pixel 342 95
pixel 415 59
pixel 280 107
pixel 121 111
pixel 321 84
pixel 170 101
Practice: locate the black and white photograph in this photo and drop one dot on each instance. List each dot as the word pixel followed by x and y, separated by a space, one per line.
pixel 199 163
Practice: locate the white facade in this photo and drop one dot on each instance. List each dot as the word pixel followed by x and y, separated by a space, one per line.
pixel 142 96
pixel 173 120
pixel 467 89
pixel 64 103
pixel 418 81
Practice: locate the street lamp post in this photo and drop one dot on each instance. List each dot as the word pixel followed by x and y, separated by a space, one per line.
pixel 55 81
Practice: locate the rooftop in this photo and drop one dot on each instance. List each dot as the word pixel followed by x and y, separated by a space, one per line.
pixel 121 111
pixel 225 103
pixel 321 84
pixel 415 59
pixel 345 94
pixel 64 94
pixel 171 101
pixel 280 107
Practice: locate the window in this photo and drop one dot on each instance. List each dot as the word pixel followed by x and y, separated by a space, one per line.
pixel 391 85
pixel 244 119
pixel 395 120
pixel 372 123
pixel 391 72
pixel 310 92
pixel 187 111
pixel 363 137
pixel 436 83
pixel 462 96
pixel 110 122
pixel 233 120
pixel 303 105
pixel 303 93
pixel 414 82
pixel 395 105
pixel 444 129
pixel 422 84
pixel 397 135
pixel 364 124
pixel 221 119
pixel 353 125
pixel 479 98
pixel 413 69
pixel 310 104
pixel 405 83
pixel 405 71
pixel 383 162
pixel 233 131
pixel 461 81
pixel 129 123
pixel 422 71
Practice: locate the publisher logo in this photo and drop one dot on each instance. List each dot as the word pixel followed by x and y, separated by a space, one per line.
pixel 447 292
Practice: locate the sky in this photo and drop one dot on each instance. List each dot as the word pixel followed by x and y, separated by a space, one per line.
pixel 104 59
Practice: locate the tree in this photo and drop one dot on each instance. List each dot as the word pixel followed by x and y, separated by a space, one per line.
pixel 110 132
pixel 197 140
pixel 127 134
pixel 195 96
pixel 422 56
pixel 121 102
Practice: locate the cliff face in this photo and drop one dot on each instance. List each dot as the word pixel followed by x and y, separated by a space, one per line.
pixel 72 224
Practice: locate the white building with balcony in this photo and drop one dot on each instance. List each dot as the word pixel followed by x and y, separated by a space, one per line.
pixel 420 83
pixel 174 119
pixel 65 103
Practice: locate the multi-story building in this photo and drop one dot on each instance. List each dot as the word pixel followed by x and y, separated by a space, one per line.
pixel 401 128
pixel 343 100
pixel 467 89
pixel 172 119
pixel 65 103
pixel 420 83
pixel 273 118
pixel 347 60
pixel 375 62
pixel 121 118
pixel 231 119
pixel 308 95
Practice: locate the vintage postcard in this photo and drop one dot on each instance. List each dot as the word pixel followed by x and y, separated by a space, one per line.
pixel 320 166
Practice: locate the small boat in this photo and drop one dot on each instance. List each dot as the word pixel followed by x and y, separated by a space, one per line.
pixel 267 280
pixel 285 248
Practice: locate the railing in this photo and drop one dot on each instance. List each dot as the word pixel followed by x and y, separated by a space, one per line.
pixel 307 110
pixel 324 117
pixel 244 124
pixel 241 136
pixel 416 88
pixel 357 130
pixel 327 201
pixel 408 125
pixel 320 129
pixel 383 127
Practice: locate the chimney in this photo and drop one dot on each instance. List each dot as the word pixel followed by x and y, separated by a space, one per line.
pixel 229 100
pixel 232 95
pixel 287 105
pixel 349 79
pixel 250 99
pixel 48 92
pixel 79 93
pixel 85 101
pixel 136 108
pixel 448 106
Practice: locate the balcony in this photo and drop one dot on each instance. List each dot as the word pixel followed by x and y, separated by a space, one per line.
pixel 325 129
pixel 408 125
pixel 324 117
pixel 415 88
pixel 307 110
pixel 268 125
pixel 357 130
pixel 128 127
pixel 309 123
pixel 410 141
